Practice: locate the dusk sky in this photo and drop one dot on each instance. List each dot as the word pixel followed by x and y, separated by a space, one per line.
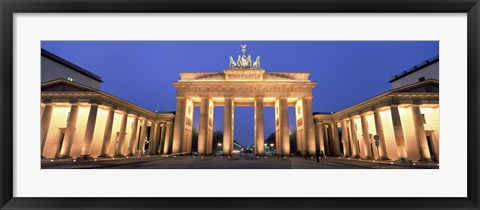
pixel 346 72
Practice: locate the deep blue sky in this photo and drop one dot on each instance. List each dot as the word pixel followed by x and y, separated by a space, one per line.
pixel 346 72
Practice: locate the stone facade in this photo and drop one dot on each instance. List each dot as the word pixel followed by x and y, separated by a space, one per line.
pixel 82 122
pixel 243 87
pixel 406 119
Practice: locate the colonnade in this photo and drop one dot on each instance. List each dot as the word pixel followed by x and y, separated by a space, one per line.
pixel 184 117
pixel 103 129
pixel 327 137
pixel 402 131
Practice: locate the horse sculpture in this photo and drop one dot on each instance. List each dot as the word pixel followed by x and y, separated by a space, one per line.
pixel 249 61
pixel 256 64
pixel 232 63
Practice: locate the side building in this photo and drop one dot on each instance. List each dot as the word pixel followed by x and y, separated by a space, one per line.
pixel 80 121
pixel 405 118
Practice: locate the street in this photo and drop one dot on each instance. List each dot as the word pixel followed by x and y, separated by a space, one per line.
pixel 224 162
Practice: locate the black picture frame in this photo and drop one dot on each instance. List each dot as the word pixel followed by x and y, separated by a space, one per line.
pixel 10 7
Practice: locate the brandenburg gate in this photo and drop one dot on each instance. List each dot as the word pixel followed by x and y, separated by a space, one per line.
pixel 244 84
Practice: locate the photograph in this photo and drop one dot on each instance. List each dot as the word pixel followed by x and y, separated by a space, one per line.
pixel 239 104
pixel 269 104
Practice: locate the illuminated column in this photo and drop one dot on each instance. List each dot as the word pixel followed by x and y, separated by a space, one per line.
pixel 328 138
pixel 308 126
pixel 42 108
pixel 420 131
pixel 211 106
pixel 228 126
pixel 353 139
pixel 382 148
pixel 162 139
pixel 366 137
pixel 259 127
pixel 284 129
pixel 121 138
pixel 179 127
pixel 151 140
pixel 346 143
pixel 143 137
pixel 158 133
pixel 69 131
pixel 336 143
pixel 45 124
pixel 320 140
pixel 108 133
pixel 398 131
pixel 203 126
pixel 167 148
pixel 133 137
pixel 88 137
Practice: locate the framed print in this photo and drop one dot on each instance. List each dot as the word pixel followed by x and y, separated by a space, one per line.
pixel 240 105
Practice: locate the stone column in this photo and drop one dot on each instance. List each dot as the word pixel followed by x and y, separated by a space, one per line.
pixel 308 126
pixel 366 137
pixel 162 139
pixel 382 148
pixel 42 108
pixel 151 140
pixel 143 136
pixel 328 138
pixel 398 131
pixel 284 129
pixel 121 137
pixel 45 123
pixel 321 140
pixel 69 131
pixel 133 137
pixel 346 142
pixel 420 132
pixel 228 126
pixel 179 127
pixel 167 149
pixel 353 139
pixel 88 137
pixel 336 143
pixel 259 126
pixel 203 126
pixel 108 133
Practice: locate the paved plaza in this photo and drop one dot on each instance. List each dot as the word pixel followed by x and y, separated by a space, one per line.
pixel 234 162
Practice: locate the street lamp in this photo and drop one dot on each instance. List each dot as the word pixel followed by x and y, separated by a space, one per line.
pixel 265 150
pixel 273 149
pixel 219 146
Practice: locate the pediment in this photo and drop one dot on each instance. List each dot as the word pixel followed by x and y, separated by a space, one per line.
pixel 65 86
pixel 427 86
